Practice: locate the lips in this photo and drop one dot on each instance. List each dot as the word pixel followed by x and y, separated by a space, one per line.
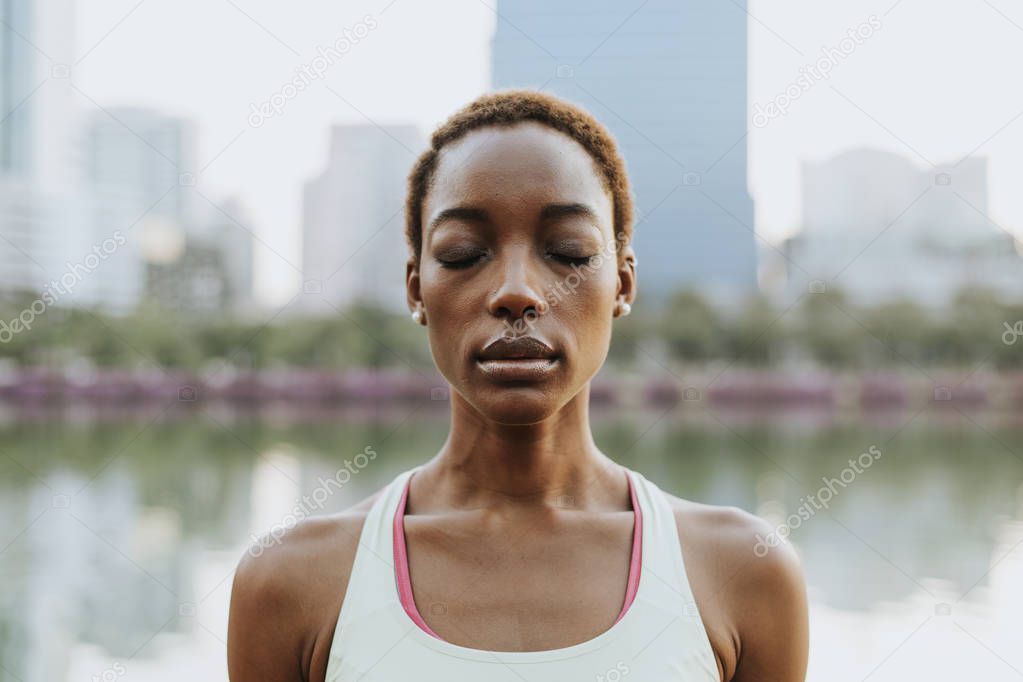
pixel 518 359
pixel 518 348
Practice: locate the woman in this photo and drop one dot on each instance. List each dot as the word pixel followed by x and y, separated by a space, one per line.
pixel 520 551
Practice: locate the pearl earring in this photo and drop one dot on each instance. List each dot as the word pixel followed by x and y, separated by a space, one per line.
pixel 626 309
pixel 417 316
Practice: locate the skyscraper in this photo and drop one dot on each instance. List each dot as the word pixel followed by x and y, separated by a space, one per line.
pixel 143 156
pixel 668 78
pixel 353 217
pixel 134 162
pixel 883 229
pixel 182 252
pixel 17 71
pixel 37 125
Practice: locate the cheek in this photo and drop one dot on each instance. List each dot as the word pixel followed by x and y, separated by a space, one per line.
pixel 453 314
pixel 582 305
pixel 586 291
pixel 444 312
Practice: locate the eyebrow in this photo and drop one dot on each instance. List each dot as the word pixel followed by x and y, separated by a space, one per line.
pixel 572 210
pixel 548 212
pixel 466 213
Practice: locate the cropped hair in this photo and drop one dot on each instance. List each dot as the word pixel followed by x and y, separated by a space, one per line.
pixel 506 108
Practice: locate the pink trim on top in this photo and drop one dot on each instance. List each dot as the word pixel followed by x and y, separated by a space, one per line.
pixel 636 562
pixel 401 568
pixel 401 565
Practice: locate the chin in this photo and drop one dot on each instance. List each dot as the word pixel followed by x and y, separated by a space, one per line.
pixel 510 402
pixel 515 405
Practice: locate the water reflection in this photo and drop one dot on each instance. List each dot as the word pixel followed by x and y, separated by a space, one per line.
pixel 120 534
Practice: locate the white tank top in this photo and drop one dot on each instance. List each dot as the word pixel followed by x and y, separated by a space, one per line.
pixel 658 637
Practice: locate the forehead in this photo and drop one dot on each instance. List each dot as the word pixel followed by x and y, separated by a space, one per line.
pixel 523 164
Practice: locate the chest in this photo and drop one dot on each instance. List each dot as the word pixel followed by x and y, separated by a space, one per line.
pixel 523 584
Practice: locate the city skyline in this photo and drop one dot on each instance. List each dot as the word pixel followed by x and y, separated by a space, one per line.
pixel 936 242
pixel 852 108
pixel 861 104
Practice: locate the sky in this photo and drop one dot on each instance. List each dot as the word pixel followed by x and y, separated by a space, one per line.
pixel 937 80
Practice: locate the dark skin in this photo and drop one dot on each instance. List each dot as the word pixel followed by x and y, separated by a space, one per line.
pixel 519 490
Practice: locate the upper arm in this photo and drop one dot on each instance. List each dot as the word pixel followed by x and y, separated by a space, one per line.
pixel 286 598
pixel 769 600
pixel 263 634
pixel 753 604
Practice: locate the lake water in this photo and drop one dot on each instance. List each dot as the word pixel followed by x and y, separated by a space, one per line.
pixel 119 533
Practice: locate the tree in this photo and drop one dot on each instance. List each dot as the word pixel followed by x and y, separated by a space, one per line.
pixel 690 327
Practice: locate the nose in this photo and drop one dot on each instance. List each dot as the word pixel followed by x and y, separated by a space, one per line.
pixel 519 292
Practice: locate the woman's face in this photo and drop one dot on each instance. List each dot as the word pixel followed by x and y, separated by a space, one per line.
pixel 519 278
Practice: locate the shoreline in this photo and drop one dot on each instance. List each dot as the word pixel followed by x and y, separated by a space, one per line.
pixel 728 388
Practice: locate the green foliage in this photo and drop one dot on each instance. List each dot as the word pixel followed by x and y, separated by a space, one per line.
pixel 830 329
pixel 825 327
pixel 690 327
pixel 628 334
pixel 757 336
pixel 900 331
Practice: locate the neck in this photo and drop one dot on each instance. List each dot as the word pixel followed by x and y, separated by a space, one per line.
pixel 554 462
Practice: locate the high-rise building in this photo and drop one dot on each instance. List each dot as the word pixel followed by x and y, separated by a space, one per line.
pixel 17 80
pixel 134 161
pixel 881 228
pixel 37 125
pixel 182 253
pixel 668 78
pixel 23 225
pixel 144 157
pixel 227 229
pixel 353 218
pixel 36 100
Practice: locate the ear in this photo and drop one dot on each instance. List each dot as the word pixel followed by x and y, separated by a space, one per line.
pixel 626 275
pixel 412 293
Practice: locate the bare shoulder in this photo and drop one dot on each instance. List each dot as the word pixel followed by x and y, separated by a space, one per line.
pixel 287 593
pixel 736 540
pixel 751 593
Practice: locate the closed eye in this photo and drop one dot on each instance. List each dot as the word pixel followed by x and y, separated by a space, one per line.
pixel 571 260
pixel 470 260
pixel 461 263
